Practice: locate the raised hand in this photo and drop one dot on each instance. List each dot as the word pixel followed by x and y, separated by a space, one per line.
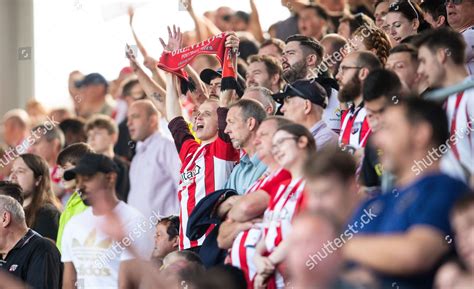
pixel 175 39
pixel 132 57
pixel 187 4
pixel 232 41
pixel 130 14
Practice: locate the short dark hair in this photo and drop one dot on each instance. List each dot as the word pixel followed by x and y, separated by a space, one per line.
pixel 308 44
pixel 172 226
pixel 319 10
pixel 444 38
pixel 13 190
pixel 381 83
pixel 408 48
pixel 73 130
pixel 299 131
pixel 102 121
pixel 330 161
pixel 127 88
pixel 73 153
pixel 463 203
pixel 419 111
pixel 251 108
pixel 189 256
pixel 278 43
pixel 356 21
pixel 436 9
pixel 368 60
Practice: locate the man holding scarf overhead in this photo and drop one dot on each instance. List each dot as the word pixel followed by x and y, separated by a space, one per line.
pixel 205 165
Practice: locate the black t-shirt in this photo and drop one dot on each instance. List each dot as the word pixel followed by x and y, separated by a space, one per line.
pixel 47 221
pixel 371 171
pixel 36 261
pixel 124 147
pixel 122 186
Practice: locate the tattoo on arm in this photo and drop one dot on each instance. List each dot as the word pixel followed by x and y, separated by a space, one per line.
pixel 157 96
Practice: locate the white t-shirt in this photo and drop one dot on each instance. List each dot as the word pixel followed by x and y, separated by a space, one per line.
pixel 96 257
pixel 468 36
pixel 332 113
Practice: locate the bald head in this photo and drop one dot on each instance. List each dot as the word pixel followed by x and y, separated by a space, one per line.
pixel 146 106
pixel 142 119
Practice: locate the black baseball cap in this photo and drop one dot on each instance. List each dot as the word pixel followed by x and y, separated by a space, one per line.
pixel 90 164
pixel 92 79
pixel 208 74
pixel 307 89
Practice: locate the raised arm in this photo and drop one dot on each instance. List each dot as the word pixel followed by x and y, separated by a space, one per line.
pixel 255 26
pixel 151 88
pixel 149 61
pixel 204 29
pixel 173 107
pixel 229 96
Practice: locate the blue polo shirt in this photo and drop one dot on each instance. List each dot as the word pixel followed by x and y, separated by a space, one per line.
pixel 427 201
pixel 245 173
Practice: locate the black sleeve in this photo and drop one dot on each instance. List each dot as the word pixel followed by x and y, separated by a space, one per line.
pixel 369 175
pixel 124 147
pixel 47 222
pixel 45 268
pixel 122 186
pixel 180 131
pixel 222 123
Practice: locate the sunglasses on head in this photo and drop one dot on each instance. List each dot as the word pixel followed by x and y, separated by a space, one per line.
pixel 396 6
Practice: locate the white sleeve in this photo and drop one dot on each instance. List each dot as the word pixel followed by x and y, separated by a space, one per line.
pixel 141 234
pixel 66 242
pixel 468 35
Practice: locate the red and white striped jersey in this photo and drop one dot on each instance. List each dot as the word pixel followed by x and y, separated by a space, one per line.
pixel 243 248
pixel 354 129
pixel 205 169
pixel 284 204
pixel 460 112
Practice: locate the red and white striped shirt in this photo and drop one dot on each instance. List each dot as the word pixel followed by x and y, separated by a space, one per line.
pixel 284 204
pixel 243 248
pixel 204 169
pixel 460 112
pixel 354 129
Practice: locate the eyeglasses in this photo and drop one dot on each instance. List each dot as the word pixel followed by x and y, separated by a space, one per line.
pixel 455 2
pixel 343 68
pixel 276 146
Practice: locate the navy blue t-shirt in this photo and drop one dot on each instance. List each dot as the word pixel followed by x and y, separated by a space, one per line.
pixel 427 202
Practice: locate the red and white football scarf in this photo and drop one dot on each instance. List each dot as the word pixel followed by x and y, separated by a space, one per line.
pixel 175 61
